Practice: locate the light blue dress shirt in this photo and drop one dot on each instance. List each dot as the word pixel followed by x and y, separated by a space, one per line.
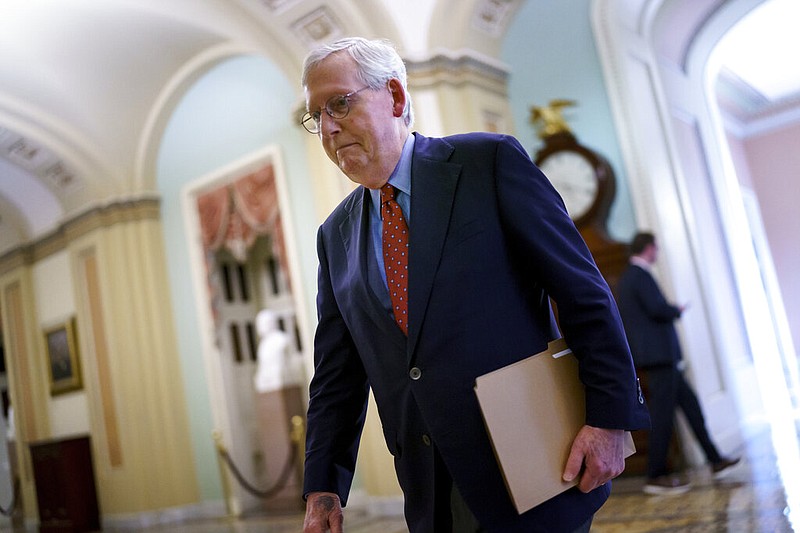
pixel 401 180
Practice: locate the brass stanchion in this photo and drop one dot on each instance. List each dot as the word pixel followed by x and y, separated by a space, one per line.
pixel 298 436
pixel 223 473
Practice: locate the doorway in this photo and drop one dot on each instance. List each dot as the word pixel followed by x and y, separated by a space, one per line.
pixel 244 263
pixel 9 502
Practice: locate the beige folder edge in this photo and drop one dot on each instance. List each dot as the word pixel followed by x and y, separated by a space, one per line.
pixel 533 409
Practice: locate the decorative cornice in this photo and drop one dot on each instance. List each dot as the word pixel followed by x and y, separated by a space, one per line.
pixel 317 27
pixel 492 16
pixel 464 69
pixel 278 5
pixel 747 112
pixel 78 226
pixel 36 158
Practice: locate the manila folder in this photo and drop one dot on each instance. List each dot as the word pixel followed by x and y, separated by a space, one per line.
pixel 533 409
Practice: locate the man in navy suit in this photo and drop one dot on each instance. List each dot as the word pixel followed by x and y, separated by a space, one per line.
pixel 489 242
pixel 649 322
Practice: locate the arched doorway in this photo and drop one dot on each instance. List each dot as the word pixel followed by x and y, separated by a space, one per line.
pixel 242 227
pixel 656 55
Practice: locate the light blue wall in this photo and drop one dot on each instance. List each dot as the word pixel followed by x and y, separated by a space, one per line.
pixel 238 107
pixel 550 49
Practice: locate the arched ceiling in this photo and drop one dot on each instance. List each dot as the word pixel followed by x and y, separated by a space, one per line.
pixel 754 42
pixel 84 84
pixel 78 80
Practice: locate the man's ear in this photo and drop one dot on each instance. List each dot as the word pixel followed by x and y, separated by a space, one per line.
pixel 398 96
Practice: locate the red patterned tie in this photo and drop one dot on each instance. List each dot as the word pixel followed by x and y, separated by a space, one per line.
pixel 395 255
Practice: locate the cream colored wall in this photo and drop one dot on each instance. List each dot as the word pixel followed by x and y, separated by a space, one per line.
pixel 330 185
pixel 458 94
pixel 105 268
pixel 375 463
pixel 26 370
pixel 465 109
pixel 69 413
pixel 144 457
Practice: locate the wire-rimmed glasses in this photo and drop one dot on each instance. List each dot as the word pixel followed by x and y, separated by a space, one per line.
pixel 336 107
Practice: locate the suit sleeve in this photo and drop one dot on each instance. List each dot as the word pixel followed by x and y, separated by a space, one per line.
pixel 338 396
pixel 550 249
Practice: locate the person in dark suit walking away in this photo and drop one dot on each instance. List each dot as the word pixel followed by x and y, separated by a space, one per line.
pixel 649 323
pixel 436 270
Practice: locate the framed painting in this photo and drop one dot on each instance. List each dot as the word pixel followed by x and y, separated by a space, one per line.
pixel 63 363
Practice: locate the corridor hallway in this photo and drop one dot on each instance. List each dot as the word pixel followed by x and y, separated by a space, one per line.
pixel 751 497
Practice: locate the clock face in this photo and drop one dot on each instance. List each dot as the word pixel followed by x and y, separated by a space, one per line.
pixel 574 178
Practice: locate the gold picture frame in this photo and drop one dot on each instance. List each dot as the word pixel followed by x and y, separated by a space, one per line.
pixel 63 363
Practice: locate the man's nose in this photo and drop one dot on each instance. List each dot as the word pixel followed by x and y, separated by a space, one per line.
pixel 327 124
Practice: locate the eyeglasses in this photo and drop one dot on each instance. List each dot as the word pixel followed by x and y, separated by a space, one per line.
pixel 336 107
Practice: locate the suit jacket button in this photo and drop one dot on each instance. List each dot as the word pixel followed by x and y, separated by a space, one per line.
pixel 426 440
pixel 415 373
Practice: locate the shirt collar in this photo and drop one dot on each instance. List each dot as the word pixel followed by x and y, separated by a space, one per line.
pixel 641 263
pixel 401 175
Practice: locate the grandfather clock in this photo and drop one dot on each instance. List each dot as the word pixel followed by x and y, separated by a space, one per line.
pixel 586 182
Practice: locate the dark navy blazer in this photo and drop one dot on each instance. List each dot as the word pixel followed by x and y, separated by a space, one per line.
pixel 490 240
pixel 648 318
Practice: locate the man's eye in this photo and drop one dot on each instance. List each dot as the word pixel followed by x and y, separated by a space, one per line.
pixel 315 116
pixel 338 104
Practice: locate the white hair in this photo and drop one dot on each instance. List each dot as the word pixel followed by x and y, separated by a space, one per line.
pixel 377 62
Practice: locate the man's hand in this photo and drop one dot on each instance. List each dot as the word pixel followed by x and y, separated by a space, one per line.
pixel 323 513
pixel 599 452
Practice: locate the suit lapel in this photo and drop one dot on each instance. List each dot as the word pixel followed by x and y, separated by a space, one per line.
pixel 354 231
pixel 433 186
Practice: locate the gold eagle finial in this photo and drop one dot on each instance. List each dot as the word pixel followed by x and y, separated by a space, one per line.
pixel 548 119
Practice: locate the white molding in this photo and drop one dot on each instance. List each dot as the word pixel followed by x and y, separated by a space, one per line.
pixel 151 135
pixel 670 149
pixel 771 123
pixel 212 359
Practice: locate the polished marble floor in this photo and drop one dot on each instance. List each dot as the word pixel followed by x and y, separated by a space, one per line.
pixel 749 498
pixel 759 495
